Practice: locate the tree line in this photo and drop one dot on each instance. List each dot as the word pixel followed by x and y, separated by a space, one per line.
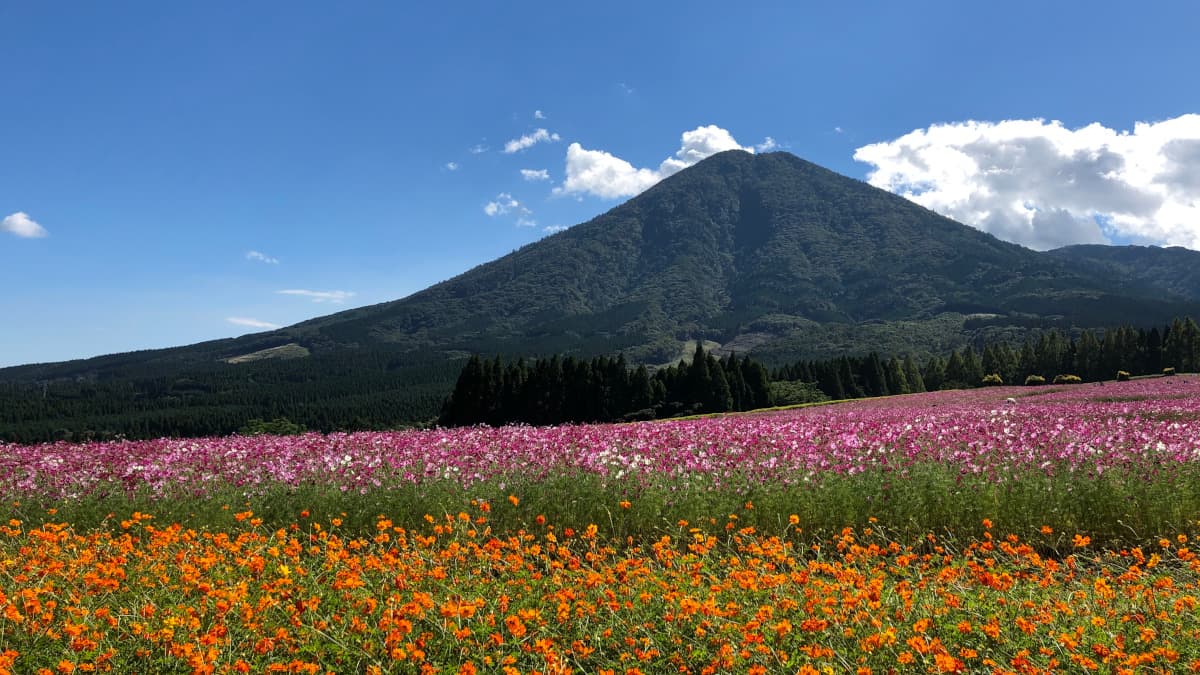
pixel 568 390
pixel 603 389
pixel 1090 355
pixel 355 389
pixel 380 389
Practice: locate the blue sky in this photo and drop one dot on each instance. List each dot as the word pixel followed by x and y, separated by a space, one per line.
pixel 168 170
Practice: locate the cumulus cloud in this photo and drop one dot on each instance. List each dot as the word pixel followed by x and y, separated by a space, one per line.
pixel 1043 185
pixel 555 229
pixel 250 323
pixel 530 140
pixel 602 174
pixel 336 297
pixel 452 166
pixel 261 257
pixel 539 115
pixel 23 226
pixel 535 174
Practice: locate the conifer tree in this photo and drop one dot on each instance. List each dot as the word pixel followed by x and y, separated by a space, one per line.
pixel 829 380
pixel 972 371
pixel 846 375
pixel 912 374
pixel 718 398
pixel 954 376
pixel 934 374
pixel 738 390
pixel 1154 351
pixel 699 380
pixel 1026 363
pixel 873 377
pixel 897 382
pixel 1191 341
pixel 641 393
pixel 758 384
pixel 1087 357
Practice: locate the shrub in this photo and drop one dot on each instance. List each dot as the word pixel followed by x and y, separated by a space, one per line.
pixel 993 380
pixel 1034 380
pixel 1168 371
pixel 642 415
pixel 280 426
pixel 1067 379
pixel 795 392
pixel 1122 375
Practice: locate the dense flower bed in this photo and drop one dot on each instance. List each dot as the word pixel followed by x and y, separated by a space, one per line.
pixel 995 431
pixel 456 597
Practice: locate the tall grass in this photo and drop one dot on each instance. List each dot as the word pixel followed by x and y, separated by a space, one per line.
pixel 1118 507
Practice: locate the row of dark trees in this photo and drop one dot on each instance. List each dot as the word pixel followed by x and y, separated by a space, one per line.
pixel 604 389
pixel 555 391
pixel 1092 355
pixel 857 377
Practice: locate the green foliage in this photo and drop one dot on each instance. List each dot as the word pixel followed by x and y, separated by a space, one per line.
pixel 280 426
pixel 374 388
pixel 554 391
pixel 1067 379
pixel 992 380
pixel 1034 380
pixel 794 393
pixel 1173 270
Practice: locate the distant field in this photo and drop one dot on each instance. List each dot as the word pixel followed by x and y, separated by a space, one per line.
pixel 288 351
pixel 1011 529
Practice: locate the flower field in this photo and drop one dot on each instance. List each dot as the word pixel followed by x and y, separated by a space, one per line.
pixel 997 530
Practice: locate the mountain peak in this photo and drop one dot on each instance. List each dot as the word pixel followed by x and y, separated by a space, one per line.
pixel 739 248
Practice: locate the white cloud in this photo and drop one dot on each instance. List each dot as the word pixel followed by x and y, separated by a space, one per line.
pixel 250 323
pixel 22 225
pixel 625 89
pixel 555 229
pixel 599 173
pixel 452 166
pixel 503 203
pixel 477 149
pixel 838 130
pixel 261 257
pixel 529 140
pixel 602 174
pixel 1043 185
pixel 539 115
pixel 336 297
pixel 767 145
pixel 535 174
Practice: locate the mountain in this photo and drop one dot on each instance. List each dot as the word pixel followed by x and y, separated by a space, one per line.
pixel 1174 270
pixel 766 254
